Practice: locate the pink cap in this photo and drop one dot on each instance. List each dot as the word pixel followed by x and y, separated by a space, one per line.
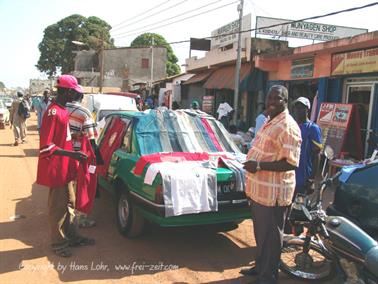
pixel 69 82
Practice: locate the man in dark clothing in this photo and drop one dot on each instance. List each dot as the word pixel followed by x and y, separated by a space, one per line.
pixel 310 149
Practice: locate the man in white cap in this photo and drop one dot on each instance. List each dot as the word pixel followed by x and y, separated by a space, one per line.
pixel 311 146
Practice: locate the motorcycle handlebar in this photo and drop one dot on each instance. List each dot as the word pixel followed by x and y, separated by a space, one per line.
pixel 325 183
pixel 329 181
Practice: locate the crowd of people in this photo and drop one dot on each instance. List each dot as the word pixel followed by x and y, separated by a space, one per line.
pixel 282 160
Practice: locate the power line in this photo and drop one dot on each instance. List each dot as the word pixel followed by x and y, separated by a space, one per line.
pixel 167 19
pixel 290 22
pixel 143 13
pixel 205 12
pixel 159 11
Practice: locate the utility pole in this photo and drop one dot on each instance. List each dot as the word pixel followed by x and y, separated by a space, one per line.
pixel 102 64
pixel 152 60
pixel 238 64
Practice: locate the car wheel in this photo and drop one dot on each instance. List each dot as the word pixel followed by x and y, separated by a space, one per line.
pixel 129 220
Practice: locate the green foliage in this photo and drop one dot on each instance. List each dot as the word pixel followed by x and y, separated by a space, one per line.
pixel 145 40
pixel 2 86
pixel 57 49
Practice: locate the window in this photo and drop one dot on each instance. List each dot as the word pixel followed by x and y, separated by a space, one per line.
pixel 126 145
pixel 145 62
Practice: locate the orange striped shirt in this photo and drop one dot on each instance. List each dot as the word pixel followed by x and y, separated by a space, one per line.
pixel 280 138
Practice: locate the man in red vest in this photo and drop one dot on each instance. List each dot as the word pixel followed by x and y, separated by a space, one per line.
pixel 57 168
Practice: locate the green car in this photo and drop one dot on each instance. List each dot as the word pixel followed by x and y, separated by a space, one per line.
pixel 171 168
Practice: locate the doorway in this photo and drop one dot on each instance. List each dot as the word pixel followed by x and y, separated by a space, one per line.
pixel 362 95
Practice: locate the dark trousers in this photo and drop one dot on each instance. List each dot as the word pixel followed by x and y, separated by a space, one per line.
pixel 268 224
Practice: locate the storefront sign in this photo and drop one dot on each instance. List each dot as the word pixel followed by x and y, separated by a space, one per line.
pixel 340 124
pixel 336 115
pixel 305 30
pixel 208 104
pixel 302 68
pixel 361 61
pixel 222 37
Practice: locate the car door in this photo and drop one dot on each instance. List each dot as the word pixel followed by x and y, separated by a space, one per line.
pixel 111 140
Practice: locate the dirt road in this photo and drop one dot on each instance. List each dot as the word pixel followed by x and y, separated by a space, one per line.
pixel 179 255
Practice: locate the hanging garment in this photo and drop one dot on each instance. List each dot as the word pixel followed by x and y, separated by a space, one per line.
pixel 189 187
pixel 86 179
pixel 167 157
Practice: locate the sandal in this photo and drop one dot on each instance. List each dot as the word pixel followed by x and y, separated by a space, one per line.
pixel 81 241
pixel 86 223
pixel 62 251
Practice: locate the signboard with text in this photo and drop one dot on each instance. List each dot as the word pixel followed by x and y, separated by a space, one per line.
pixel 302 68
pixel 304 30
pixel 208 104
pixel 222 36
pixel 337 121
pixel 360 61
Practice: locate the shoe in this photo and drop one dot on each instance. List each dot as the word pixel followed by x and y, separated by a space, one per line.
pixel 24 141
pixel 251 271
pixel 15 143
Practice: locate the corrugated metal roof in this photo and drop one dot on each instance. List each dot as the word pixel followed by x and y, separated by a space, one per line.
pixel 198 77
pixel 224 78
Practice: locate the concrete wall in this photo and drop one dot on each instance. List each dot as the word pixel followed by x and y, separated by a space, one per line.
pixel 122 66
pixel 125 64
pixel 86 60
pixel 37 86
pixel 195 92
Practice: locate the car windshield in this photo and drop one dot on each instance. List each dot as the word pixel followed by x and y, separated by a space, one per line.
pixel 181 131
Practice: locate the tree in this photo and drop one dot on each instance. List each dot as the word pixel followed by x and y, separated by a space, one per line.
pixel 57 49
pixel 145 40
pixel 2 86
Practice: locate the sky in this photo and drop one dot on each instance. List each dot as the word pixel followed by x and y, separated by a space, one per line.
pixel 22 23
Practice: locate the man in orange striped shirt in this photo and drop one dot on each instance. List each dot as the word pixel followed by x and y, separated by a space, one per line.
pixel 270 182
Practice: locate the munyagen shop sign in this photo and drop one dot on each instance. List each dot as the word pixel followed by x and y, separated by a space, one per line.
pixel 305 30
pixel 360 61
pixel 340 124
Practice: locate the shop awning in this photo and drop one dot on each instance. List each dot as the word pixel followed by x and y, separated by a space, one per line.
pixel 224 77
pixel 254 81
pixel 197 78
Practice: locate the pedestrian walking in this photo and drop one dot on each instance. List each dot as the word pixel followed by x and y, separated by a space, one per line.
pixel 57 167
pixel 41 106
pixel 19 112
pixel 224 113
pixel 270 183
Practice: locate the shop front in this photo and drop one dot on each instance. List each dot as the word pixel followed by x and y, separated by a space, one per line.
pixel 359 70
pixel 220 86
pixel 341 71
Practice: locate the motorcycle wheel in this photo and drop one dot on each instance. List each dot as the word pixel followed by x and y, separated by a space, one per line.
pixel 314 265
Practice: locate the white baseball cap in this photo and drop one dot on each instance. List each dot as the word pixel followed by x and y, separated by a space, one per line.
pixel 304 101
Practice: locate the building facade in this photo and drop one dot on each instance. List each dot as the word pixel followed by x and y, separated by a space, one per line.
pixel 37 86
pixel 340 71
pixel 122 67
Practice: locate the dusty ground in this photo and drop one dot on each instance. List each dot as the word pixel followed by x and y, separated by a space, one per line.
pixel 195 255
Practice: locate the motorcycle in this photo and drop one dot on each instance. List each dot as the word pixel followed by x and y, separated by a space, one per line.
pixel 331 243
